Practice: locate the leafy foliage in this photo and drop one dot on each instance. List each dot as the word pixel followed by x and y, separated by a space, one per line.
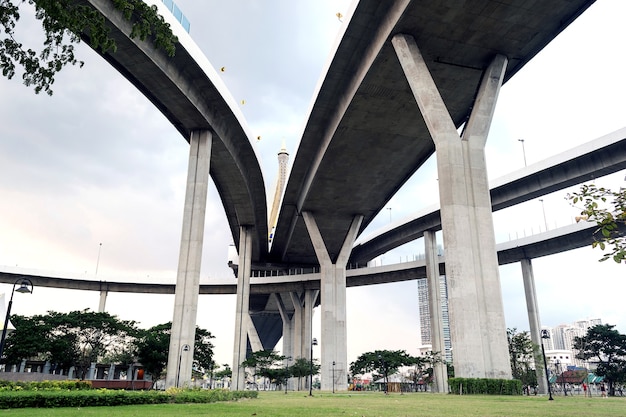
pixel 63 23
pixel 68 339
pixel 302 368
pixel 79 338
pixel 488 386
pixel 153 347
pixel 521 353
pixel 101 397
pixel 607 348
pixel 608 209
pixel 381 362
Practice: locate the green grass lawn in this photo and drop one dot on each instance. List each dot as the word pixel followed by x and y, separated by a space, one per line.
pixel 366 404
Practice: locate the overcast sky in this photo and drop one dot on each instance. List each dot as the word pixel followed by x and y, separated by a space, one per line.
pixel 97 163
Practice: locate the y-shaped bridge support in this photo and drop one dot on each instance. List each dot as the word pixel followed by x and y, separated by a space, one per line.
pixel 333 296
pixel 297 331
pixel 180 357
pixel 478 330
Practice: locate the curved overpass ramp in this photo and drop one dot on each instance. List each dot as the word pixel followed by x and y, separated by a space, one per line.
pixel 191 95
pixel 365 136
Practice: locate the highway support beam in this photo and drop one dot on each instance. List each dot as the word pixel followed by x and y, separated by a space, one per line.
pixel 440 370
pixel 242 314
pixel 180 356
pixel 297 329
pixel 333 304
pixel 534 322
pixel 478 329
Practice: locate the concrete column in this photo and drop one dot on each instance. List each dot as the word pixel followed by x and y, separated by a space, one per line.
pixel 111 374
pixel 183 332
pixel 22 365
pixel 103 301
pixel 477 325
pixel 46 368
pixel 242 313
pixel 91 374
pixel 534 322
pixel 333 294
pixel 288 335
pixel 434 305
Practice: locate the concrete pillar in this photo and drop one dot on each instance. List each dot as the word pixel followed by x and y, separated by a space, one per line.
pixel 22 365
pixel 434 305
pixel 333 295
pixel 91 374
pixel 46 368
pixel 111 374
pixel 478 330
pixel 288 335
pixel 534 322
pixel 188 277
pixel 242 314
pixel 103 300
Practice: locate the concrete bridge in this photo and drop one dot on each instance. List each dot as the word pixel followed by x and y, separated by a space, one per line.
pixel 404 78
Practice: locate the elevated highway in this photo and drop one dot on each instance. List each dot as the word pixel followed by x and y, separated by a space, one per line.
pixel 586 162
pixel 542 244
pixel 366 134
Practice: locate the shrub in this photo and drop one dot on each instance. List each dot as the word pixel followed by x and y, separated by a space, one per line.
pixel 102 397
pixel 44 385
pixel 485 386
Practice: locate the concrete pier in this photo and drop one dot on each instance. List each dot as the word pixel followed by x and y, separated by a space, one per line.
pixel 180 357
pixel 478 330
pixel 333 295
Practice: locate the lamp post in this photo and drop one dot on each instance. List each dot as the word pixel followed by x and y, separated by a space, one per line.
pixel 184 348
pixel 543 208
pixel 546 335
pixel 313 343
pixel 26 286
pixel 333 377
pixel 523 151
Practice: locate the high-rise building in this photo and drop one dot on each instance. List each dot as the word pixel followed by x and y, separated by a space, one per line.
pixel 424 315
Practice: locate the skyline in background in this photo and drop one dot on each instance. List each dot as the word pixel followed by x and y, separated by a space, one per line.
pixel 96 163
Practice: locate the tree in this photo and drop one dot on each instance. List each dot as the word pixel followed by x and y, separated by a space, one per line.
pixel 70 339
pixel 521 353
pixel 153 347
pixel 64 22
pixel 607 348
pixel 92 334
pixel 264 363
pixel 303 368
pixel 608 209
pixel 381 362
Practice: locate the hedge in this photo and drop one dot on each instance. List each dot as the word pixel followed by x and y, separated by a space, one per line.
pixel 466 386
pixel 71 384
pixel 103 397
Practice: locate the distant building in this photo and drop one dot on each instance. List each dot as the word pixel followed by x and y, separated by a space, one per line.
pixel 424 316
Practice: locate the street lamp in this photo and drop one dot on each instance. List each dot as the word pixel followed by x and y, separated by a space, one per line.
pixel 546 335
pixel 523 150
pixel 313 343
pixel 333 377
pixel 184 348
pixel 543 208
pixel 26 286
